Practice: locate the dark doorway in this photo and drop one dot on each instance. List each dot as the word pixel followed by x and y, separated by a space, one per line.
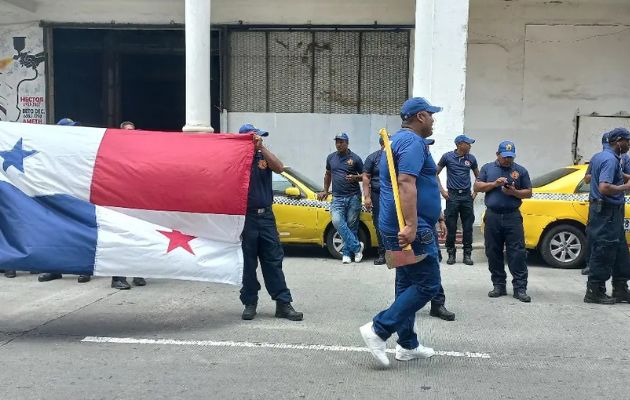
pixel 105 76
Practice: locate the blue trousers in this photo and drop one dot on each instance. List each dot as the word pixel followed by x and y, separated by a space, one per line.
pixel 609 249
pixel 261 242
pixel 506 230
pixel 345 218
pixel 416 285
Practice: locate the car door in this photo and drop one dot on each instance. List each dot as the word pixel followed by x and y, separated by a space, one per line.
pixel 295 219
pixel 581 206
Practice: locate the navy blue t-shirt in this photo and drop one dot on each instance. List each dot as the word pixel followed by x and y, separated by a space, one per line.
pixel 606 167
pixel 260 190
pixel 495 199
pixel 412 157
pixel 372 167
pixel 341 165
pixel 458 169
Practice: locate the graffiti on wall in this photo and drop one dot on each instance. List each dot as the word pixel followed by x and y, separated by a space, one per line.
pixel 22 74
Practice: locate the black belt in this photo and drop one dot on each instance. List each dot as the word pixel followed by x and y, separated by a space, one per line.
pixel 460 191
pixel 503 211
pixel 258 210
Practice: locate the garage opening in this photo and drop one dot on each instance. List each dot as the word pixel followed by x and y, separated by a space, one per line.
pixel 102 77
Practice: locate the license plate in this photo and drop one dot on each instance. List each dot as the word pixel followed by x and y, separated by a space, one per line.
pixel 626 224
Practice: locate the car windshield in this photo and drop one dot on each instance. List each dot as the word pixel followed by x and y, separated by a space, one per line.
pixel 552 176
pixel 306 181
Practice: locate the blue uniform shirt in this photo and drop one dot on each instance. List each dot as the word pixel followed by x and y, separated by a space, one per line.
pixel 372 167
pixel 411 157
pixel 341 165
pixel 260 190
pixel 495 199
pixel 625 163
pixel 458 169
pixel 606 167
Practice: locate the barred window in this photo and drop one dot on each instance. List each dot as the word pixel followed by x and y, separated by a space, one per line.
pixel 341 72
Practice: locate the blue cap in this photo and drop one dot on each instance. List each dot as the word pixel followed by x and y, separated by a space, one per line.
pixel 605 137
pixel 429 141
pixel 618 134
pixel 342 136
pixel 464 138
pixel 67 122
pixel 414 105
pixel 507 149
pixel 249 128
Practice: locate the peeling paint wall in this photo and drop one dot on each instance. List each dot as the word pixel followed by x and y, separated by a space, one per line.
pixel 533 66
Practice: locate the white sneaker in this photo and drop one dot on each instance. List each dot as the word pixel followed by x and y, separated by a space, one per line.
pixel 375 344
pixel 403 354
pixel 358 256
pixel 346 260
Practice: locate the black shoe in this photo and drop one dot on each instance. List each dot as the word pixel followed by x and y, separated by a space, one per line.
pixel 441 312
pixel 521 294
pixel 468 259
pixel 586 270
pixel 498 291
pixel 286 310
pixel 10 273
pixel 597 295
pixel 45 277
pixel 380 260
pixel 249 312
pixel 84 278
pixel 451 256
pixel 620 292
pixel 137 281
pixel 120 283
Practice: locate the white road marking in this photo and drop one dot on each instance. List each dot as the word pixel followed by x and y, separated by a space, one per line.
pixel 281 346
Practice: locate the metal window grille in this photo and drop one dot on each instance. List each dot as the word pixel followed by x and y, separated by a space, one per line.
pixel 344 72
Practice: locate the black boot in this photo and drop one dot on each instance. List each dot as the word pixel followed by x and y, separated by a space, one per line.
pixel 120 283
pixel 439 311
pixel 84 278
pixel 10 273
pixel 467 258
pixel 380 260
pixel 286 310
pixel 521 294
pixel 620 292
pixel 497 291
pixel 45 277
pixel 451 256
pixel 595 293
pixel 249 312
pixel 137 281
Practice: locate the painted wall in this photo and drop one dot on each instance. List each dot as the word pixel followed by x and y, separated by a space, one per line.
pixel 22 74
pixel 533 67
pixel 222 12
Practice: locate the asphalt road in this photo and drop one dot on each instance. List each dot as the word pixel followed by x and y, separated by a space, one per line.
pixel 185 340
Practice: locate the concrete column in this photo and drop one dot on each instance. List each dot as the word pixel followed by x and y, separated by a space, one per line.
pixel 197 19
pixel 439 65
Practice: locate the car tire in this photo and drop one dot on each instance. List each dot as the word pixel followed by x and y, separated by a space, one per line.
pixel 333 240
pixel 564 241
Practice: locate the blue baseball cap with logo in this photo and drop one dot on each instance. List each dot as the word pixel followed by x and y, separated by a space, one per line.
pixel 342 136
pixel 67 122
pixel 605 137
pixel 464 138
pixel 249 128
pixel 507 149
pixel 415 105
pixel 618 134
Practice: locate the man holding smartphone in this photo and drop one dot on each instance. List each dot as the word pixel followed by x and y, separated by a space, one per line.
pixel 505 184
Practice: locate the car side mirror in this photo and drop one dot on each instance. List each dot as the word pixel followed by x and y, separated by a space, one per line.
pixel 292 192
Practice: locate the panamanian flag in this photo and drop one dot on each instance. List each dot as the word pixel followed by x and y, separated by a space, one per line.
pixel 112 202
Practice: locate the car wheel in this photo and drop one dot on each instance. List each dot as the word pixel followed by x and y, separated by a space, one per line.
pixel 564 246
pixel 334 244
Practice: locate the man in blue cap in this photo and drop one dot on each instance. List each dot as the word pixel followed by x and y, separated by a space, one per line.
pixel 418 283
pixel 609 249
pixel 344 169
pixel 260 235
pixel 372 193
pixel 47 276
pixel 505 184
pixel 459 200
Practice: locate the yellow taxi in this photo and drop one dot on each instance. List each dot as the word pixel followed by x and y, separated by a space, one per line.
pixel 554 219
pixel 302 219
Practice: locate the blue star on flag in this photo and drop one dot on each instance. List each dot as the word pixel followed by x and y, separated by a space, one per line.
pixel 15 157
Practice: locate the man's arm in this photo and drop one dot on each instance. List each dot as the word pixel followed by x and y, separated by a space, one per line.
pixel 475 171
pixel 484 187
pixel 518 193
pixel 367 192
pixel 442 191
pixel 326 192
pixel 408 199
pixel 606 175
pixel 608 189
pixel 272 161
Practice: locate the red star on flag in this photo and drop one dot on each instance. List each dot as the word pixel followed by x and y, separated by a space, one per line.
pixel 178 239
